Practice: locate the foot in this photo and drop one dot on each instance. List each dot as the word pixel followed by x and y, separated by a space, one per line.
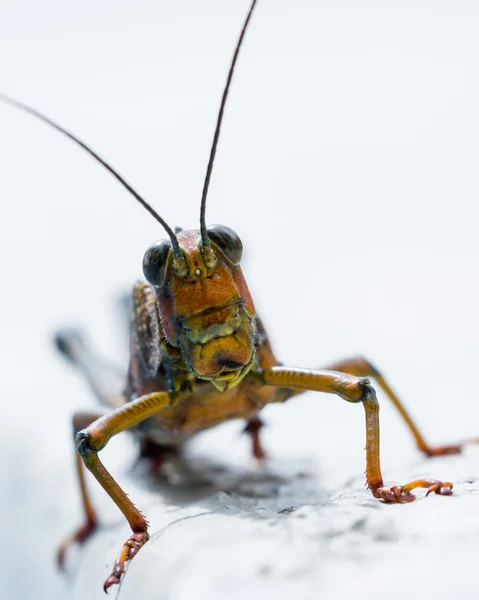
pixel 444 450
pixel 79 537
pixel 130 549
pixel 400 494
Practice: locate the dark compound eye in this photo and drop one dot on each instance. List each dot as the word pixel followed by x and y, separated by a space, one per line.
pixel 227 241
pixel 154 262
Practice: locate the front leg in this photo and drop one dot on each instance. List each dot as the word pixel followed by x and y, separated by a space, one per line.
pixel 93 439
pixel 353 389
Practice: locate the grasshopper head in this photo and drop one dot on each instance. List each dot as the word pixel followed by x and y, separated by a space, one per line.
pixel 204 303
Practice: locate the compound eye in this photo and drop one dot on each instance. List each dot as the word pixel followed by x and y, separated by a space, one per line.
pixel 227 241
pixel 154 262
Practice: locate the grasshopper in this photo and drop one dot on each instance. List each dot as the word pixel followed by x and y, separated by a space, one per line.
pixel 199 355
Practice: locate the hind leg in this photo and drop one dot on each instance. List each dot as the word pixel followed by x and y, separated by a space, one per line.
pixel 105 380
pixel 252 428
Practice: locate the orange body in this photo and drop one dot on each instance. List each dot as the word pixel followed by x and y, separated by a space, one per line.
pixel 208 334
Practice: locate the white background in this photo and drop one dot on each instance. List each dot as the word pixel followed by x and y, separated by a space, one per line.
pixel 347 164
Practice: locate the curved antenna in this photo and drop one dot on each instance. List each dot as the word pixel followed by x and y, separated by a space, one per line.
pixel 35 113
pixel 204 234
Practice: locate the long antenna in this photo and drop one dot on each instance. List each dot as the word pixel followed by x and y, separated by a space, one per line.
pixel 39 115
pixel 204 234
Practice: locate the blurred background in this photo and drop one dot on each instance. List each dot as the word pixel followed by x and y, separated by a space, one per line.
pixel 347 164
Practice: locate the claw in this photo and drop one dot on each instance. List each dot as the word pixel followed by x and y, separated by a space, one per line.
pixel 130 548
pixel 440 488
pixel 109 582
pixel 394 494
pixel 401 494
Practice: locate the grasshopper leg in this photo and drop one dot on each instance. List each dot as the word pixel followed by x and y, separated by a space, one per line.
pixel 253 427
pixel 157 454
pixel 80 421
pixel 93 439
pixel 354 389
pixel 362 368
pixel 105 380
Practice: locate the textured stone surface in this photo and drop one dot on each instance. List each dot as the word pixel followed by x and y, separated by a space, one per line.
pixel 275 531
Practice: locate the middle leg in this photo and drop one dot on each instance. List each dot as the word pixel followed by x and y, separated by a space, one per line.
pixel 253 427
pixel 360 367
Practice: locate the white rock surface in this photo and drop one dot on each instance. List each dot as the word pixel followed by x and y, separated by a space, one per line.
pixel 277 532
pixel 289 530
